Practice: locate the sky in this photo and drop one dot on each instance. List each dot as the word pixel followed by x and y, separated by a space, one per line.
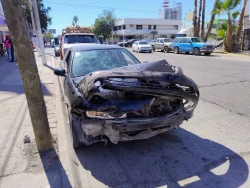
pixel 63 11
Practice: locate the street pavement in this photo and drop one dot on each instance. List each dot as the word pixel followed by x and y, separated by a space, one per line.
pixel 21 165
pixel 210 150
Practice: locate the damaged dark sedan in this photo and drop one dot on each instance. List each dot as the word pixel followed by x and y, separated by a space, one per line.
pixel 111 95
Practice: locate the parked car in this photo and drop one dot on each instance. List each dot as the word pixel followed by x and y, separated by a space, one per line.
pixel 163 44
pixel 127 43
pixel 141 46
pixel 194 45
pixel 57 50
pixel 111 95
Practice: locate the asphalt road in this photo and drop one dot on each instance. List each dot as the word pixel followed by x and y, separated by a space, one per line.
pixel 210 150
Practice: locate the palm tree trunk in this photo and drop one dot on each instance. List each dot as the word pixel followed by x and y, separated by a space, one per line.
pixel 238 34
pixel 203 19
pixel 195 19
pixel 229 34
pixel 199 19
pixel 211 21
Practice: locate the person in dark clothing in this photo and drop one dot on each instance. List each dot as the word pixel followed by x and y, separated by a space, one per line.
pixel 11 51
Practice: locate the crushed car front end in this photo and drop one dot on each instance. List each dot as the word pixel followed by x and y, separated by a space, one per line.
pixel 134 102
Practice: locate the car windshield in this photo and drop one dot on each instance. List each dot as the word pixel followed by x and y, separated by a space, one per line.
pixel 85 62
pixel 70 39
pixel 143 42
pixel 197 40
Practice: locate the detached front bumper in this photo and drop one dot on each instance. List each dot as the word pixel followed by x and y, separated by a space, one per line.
pixel 134 129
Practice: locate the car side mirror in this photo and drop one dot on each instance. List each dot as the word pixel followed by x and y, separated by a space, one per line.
pixel 190 42
pixel 60 72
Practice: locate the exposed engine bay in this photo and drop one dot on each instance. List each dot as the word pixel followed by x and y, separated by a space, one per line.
pixel 133 102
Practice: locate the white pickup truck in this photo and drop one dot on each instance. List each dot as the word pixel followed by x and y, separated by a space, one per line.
pixel 163 44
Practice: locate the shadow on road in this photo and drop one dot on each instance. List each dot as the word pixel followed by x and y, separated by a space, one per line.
pixel 176 159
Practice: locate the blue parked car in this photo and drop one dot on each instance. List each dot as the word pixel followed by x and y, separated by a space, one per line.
pixel 191 44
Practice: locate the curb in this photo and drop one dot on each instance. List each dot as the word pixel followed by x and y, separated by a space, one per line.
pixel 70 162
pixel 247 55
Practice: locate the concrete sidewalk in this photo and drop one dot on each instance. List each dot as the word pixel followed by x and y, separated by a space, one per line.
pixel 21 165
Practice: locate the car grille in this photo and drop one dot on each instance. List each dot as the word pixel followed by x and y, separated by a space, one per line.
pixel 209 47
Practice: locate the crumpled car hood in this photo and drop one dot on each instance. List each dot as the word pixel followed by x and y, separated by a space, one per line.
pixel 147 78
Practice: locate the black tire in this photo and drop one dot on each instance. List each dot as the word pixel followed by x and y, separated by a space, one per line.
pixel 166 49
pixel 207 53
pixel 153 48
pixel 150 51
pixel 186 52
pixel 196 51
pixel 176 50
pixel 75 139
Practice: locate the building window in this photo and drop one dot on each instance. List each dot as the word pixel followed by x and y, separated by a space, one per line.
pixel 119 27
pixel 124 27
pixel 176 27
pixel 131 26
pixel 139 27
pixel 154 27
pixel 149 27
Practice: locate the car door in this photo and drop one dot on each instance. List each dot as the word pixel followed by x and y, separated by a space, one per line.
pixel 182 44
pixel 188 45
pixel 161 44
pixel 66 81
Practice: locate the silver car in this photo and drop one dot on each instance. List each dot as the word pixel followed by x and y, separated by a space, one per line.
pixel 142 46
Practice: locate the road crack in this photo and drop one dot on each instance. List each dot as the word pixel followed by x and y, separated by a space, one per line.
pixel 220 84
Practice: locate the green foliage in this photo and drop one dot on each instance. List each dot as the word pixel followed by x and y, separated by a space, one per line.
pixel 49 35
pixel 45 19
pixel 173 36
pixel 75 19
pixel 235 14
pixel 154 33
pixel 104 23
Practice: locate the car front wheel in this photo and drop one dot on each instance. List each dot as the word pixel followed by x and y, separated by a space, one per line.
pixel 166 50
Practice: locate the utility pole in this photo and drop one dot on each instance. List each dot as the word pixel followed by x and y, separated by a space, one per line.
pixel 195 19
pixel 203 19
pixel 32 17
pixel 39 32
pixel 28 69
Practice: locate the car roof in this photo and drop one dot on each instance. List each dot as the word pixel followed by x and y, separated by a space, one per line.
pixel 78 34
pixel 89 46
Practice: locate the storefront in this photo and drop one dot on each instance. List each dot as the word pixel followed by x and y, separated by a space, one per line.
pixel 3 25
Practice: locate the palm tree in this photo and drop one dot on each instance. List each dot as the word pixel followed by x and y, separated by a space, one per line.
pixel 228 6
pixel 238 34
pixel 211 20
pixel 195 19
pixel 199 18
pixel 75 19
pixel 203 19
pixel 154 33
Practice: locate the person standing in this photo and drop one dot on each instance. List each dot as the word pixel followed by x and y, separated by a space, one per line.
pixel 7 46
pixel 11 51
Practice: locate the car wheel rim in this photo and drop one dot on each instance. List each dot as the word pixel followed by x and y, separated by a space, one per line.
pixel 196 52
pixel 175 49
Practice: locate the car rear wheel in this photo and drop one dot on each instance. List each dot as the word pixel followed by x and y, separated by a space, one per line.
pixel 153 48
pixel 176 50
pixel 196 51
pixel 186 52
pixel 207 53
pixel 166 50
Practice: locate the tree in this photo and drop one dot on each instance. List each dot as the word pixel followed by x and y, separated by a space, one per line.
pixel 203 19
pixel 227 7
pixel 199 18
pixel 211 20
pixel 195 26
pixel 104 24
pixel 45 19
pixel 154 33
pixel 238 34
pixel 173 36
pixel 29 73
pixel 75 19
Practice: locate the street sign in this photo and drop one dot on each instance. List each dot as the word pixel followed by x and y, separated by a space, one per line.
pixel 52 31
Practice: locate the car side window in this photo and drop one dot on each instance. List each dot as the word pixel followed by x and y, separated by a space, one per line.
pixel 161 41
pixel 188 40
pixel 176 40
pixel 183 40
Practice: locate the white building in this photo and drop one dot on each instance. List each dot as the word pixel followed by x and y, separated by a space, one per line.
pixel 171 13
pixel 128 28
